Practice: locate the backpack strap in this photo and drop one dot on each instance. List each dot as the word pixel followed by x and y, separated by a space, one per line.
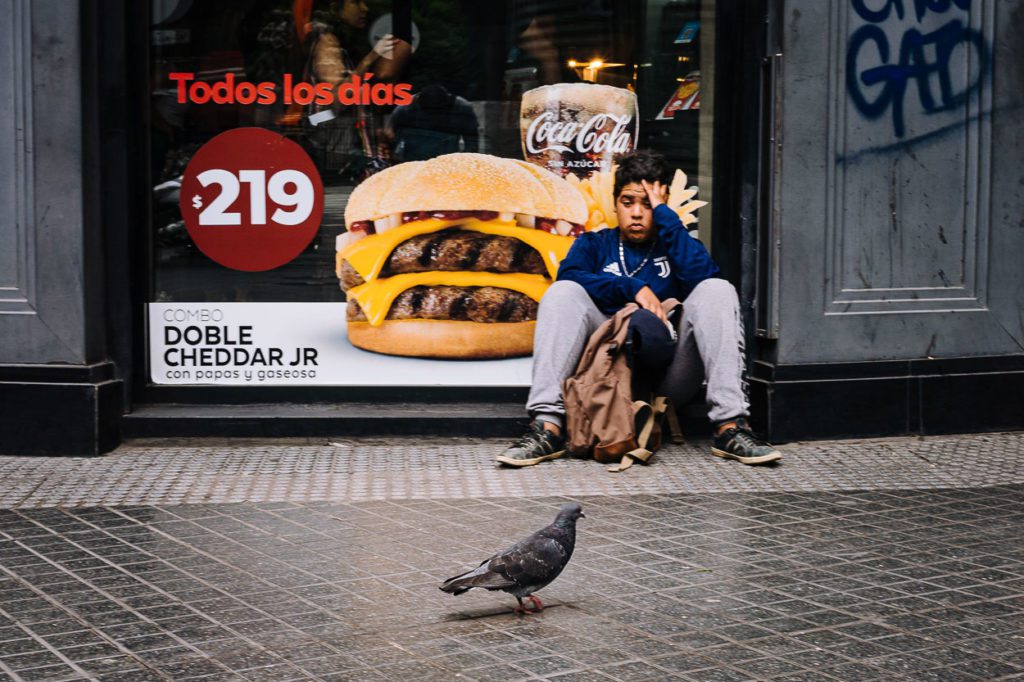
pixel 663 405
pixel 639 453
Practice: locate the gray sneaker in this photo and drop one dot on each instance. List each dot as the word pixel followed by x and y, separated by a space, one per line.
pixel 742 445
pixel 535 446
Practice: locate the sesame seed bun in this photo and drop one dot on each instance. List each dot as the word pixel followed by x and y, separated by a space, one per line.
pixel 470 182
pixel 466 182
pixel 368 200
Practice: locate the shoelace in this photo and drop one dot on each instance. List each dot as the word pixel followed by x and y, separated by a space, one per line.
pixel 533 436
pixel 747 439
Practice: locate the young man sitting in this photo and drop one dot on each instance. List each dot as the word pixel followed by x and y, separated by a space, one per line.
pixel 650 257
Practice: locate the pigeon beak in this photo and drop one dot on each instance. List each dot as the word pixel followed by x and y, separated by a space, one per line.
pixel 582 515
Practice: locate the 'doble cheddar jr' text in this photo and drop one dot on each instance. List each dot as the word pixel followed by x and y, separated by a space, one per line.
pixel 221 346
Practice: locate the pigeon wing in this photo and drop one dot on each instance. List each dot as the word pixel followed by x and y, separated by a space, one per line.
pixel 532 563
pixel 481 576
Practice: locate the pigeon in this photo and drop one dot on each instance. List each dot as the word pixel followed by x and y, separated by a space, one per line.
pixel 528 565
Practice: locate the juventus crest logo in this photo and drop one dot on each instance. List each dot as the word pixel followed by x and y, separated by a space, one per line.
pixel 663 267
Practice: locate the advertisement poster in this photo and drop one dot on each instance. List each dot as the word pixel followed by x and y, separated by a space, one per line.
pixel 323 213
pixel 438 264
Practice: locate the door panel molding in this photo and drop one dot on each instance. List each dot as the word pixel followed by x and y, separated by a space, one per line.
pixel 890 257
pixel 17 274
pixel 42 272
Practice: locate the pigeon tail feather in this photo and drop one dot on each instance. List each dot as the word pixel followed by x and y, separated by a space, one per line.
pixel 479 577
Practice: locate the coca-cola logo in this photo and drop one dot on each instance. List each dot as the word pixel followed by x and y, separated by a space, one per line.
pixel 548 133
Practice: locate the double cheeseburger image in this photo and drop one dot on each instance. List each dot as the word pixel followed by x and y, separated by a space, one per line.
pixel 448 258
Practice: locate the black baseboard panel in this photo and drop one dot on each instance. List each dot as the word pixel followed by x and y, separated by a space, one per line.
pixel 893 398
pixel 247 395
pixel 320 420
pixel 59 410
pixel 347 420
pixel 964 403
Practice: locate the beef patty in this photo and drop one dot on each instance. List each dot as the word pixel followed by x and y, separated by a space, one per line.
pixel 475 304
pixel 452 250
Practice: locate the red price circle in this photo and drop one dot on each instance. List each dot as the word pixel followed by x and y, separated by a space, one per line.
pixel 251 199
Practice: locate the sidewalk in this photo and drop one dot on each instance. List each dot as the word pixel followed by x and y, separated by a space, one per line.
pixel 269 560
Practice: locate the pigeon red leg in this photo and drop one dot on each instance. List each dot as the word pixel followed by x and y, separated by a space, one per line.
pixel 537 606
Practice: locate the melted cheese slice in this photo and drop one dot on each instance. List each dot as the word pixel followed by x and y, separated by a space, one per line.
pixel 369 254
pixel 375 298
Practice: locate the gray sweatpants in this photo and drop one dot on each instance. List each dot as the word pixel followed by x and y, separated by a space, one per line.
pixel 710 347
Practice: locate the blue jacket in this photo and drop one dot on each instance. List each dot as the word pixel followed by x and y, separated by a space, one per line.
pixel 678 263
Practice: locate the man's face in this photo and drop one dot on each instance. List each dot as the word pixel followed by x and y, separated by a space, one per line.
pixel 636 219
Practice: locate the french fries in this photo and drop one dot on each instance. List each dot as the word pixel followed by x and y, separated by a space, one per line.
pixel 597 191
pixel 589 188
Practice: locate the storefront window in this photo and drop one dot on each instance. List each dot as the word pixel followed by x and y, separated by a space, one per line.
pixel 455 82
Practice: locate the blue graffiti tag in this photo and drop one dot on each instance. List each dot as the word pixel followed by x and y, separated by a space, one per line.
pixel 921 7
pixel 913 64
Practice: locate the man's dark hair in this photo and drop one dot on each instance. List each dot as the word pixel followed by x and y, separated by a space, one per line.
pixel 641 164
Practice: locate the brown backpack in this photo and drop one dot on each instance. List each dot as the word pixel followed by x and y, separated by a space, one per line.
pixel 602 418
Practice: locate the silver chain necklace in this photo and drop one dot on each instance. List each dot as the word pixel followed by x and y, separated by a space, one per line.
pixel 622 258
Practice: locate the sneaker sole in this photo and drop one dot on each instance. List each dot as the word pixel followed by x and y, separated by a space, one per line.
pixel 528 462
pixel 762 459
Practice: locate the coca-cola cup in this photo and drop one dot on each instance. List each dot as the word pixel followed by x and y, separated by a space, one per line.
pixel 577 128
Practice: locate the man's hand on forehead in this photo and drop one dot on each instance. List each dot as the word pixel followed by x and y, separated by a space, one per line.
pixel 657 193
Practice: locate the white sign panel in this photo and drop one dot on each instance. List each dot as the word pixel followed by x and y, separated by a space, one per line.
pixel 294 344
